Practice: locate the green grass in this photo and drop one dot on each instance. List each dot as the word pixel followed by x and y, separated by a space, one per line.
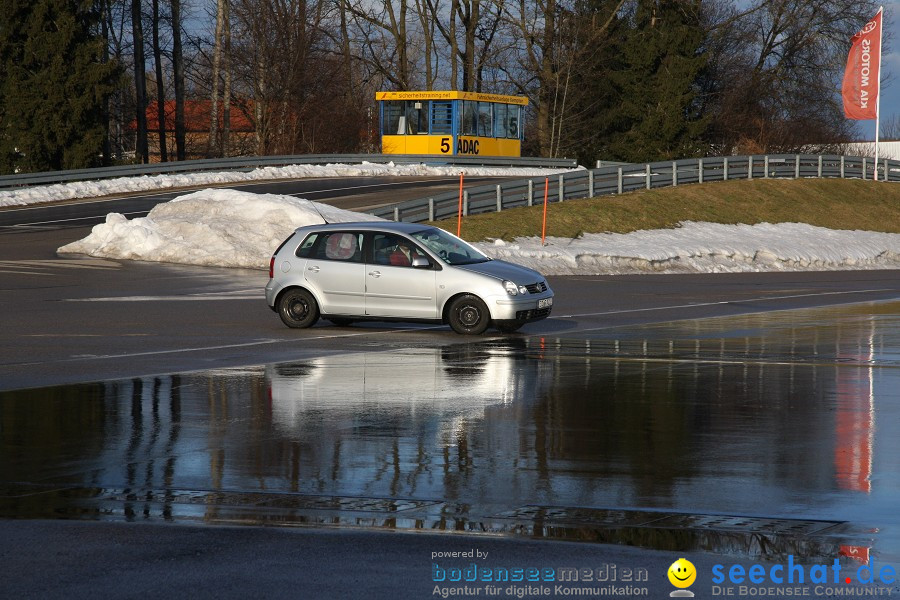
pixel 831 203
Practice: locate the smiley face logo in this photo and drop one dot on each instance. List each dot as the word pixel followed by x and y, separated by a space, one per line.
pixel 682 573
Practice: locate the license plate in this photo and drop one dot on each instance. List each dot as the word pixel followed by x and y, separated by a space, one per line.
pixel 545 302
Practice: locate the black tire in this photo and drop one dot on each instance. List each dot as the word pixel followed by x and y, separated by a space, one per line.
pixel 468 315
pixel 509 327
pixel 298 309
pixel 340 321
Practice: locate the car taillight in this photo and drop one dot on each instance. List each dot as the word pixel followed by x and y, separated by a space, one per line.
pixel 272 268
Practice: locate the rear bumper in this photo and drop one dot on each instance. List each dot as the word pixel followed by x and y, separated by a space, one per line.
pixel 271 293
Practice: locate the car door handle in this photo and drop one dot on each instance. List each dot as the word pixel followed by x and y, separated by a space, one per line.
pixel 375 273
pixel 314 269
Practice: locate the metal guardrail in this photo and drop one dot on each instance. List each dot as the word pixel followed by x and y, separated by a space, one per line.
pixel 245 163
pixel 625 178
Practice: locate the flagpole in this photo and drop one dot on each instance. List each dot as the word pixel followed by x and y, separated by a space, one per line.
pixel 878 89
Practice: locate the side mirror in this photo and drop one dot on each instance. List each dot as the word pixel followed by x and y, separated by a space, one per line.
pixel 420 262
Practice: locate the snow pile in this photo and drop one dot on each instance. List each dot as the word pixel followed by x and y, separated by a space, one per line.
pixel 105 187
pixel 224 228
pixel 240 229
pixel 706 248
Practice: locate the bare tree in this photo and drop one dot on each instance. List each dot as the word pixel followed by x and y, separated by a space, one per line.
pixel 226 87
pixel 213 143
pixel 479 29
pixel 772 77
pixel 106 34
pixel 550 51
pixel 291 77
pixel 383 36
pixel 160 86
pixel 890 128
pixel 178 73
pixel 140 85
pixel 428 27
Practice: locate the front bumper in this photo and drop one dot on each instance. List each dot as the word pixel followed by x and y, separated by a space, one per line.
pixel 522 309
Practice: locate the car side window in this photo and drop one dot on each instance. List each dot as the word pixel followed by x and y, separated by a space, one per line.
pixel 306 248
pixel 394 250
pixel 338 245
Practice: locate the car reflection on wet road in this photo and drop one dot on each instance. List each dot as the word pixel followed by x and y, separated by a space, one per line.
pixel 768 434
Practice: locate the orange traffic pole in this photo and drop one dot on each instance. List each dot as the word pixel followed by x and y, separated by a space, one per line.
pixel 459 212
pixel 544 224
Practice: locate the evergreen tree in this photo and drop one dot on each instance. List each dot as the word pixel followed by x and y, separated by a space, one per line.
pixel 599 38
pixel 658 117
pixel 53 85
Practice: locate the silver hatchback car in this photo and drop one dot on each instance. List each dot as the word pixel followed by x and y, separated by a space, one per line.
pixel 386 271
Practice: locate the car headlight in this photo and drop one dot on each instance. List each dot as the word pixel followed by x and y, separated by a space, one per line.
pixel 512 289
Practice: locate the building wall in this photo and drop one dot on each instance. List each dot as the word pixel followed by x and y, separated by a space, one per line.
pixel 885 149
pixel 241 143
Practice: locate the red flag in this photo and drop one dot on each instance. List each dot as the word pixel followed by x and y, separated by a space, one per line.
pixel 861 77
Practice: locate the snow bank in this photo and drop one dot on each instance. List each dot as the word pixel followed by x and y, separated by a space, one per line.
pixel 121 185
pixel 240 229
pixel 706 248
pixel 224 228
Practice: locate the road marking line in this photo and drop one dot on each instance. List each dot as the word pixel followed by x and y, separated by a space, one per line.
pixel 141 212
pixel 721 302
pixel 91 335
pixel 88 263
pixel 257 296
pixel 83 357
pixel 28 273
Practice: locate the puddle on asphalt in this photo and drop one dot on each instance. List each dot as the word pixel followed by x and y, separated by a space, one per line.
pixel 766 434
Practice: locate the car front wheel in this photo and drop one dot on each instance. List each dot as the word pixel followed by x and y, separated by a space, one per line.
pixel 468 315
pixel 298 309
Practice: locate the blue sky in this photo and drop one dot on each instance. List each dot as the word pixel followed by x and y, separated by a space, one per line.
pixel 890 68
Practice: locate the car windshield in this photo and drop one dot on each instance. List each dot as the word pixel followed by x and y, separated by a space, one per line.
pixel 450 248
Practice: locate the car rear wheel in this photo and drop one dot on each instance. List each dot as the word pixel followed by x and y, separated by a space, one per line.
pixel 298 309
pixel 468 315
pixel 340 321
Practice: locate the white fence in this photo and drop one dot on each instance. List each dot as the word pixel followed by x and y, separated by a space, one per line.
pixel 617 179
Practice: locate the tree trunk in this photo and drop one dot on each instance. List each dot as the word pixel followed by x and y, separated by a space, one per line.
pixel 471 23
pixel 259 106
pixel 226 91
pixel 454 47
pixel 104 32
pixel 178 67
pixel 141 150
pixel 428 43
pixel 402 48
pixel 345 47
pixel 212 143
pixel 160 90
pixel 546 77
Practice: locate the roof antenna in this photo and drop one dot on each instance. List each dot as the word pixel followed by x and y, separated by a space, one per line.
pixel 316 208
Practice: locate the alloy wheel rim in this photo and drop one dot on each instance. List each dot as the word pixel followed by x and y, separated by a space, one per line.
pixel 298 309
pixel 469 315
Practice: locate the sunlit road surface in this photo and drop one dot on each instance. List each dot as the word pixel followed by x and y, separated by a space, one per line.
pixel 757 435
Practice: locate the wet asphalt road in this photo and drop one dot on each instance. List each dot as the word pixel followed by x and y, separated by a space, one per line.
pixel 681 413
pixel 77 319
pixel 150 561
pixel 757 438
